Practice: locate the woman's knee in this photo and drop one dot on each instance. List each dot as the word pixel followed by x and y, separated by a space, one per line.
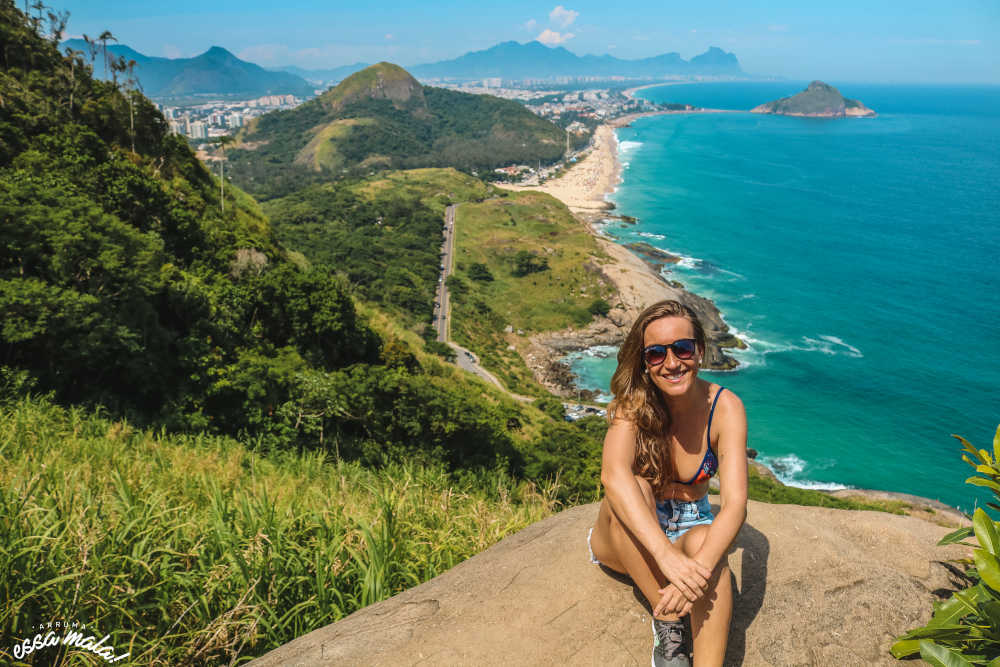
pixel 693 539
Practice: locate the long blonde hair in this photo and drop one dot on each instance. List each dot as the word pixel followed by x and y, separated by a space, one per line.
pixel 638 400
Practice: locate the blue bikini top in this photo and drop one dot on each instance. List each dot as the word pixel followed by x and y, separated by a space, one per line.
pixel 709 464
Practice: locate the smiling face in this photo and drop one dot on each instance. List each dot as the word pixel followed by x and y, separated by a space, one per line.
pixel 674 377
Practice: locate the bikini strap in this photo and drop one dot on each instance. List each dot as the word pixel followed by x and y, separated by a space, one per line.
pixel 708 431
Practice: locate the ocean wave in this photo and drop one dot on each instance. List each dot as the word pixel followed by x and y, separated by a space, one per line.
pixel 596 352
pixel 831 345
pixel 788 469
pixel 628 146
pixel 651 235
pixel 759 348
pixel 746 297
pixel 686 262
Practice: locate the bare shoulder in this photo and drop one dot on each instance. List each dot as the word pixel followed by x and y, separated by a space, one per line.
pixel 730 415
pixel 729 401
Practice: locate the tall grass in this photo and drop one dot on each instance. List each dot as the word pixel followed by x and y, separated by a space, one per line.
pixel 193 550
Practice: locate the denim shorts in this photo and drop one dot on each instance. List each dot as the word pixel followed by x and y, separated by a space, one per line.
pixel 676 517
pixel 679 516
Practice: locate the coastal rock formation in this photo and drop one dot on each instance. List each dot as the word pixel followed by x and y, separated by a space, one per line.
pixel 814 586
pixel 819 100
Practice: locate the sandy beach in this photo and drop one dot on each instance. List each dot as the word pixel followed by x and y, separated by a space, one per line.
pixel 584 185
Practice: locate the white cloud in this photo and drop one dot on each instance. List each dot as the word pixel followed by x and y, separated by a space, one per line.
pixel 778 28
pixel 552 38
pixel 562 17
pixel 530 25
pixel 388 35
pixel 171 51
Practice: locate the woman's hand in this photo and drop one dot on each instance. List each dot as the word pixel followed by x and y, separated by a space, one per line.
pixel 685 573
pixel 672 602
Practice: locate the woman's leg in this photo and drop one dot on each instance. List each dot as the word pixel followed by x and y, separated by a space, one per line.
pixel 617 548
pixel 711 614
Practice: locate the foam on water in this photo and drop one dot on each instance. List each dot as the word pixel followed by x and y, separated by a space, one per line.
pixel 625 147
pixel 789 468
pixel 831 345
pixel 651 235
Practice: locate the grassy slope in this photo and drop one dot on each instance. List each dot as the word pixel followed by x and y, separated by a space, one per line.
pixel 196 549
pixel 491 233
pixel 436 187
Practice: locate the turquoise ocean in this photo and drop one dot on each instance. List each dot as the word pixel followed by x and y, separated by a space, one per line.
pixel 859 259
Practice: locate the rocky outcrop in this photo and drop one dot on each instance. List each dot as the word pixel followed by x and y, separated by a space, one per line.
pixel 814 586
pixel 819 100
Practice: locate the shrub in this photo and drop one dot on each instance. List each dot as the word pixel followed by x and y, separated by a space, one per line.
pixel 963 629
pixel 526 262
pixel 480 272
pixel 599 307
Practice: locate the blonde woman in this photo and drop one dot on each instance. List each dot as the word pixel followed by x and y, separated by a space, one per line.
pixel 670 432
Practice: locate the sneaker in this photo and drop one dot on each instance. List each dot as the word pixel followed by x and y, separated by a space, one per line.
pixel 668 644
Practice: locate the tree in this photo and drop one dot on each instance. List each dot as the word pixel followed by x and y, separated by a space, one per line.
pixel 104 38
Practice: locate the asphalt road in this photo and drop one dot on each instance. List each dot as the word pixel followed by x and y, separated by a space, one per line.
pixel 464 358
pixel 442 310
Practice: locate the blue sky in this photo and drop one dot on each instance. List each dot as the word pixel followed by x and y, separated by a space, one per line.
pixel 911 41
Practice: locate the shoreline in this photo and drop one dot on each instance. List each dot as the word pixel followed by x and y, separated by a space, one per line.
pixel 583 189
pixel 634 272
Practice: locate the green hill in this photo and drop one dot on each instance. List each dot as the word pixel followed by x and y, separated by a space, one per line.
pixel 381 117
pixel 818 100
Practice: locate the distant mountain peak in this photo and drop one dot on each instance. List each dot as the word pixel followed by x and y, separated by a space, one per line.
pixel 531 60
pixel 383 80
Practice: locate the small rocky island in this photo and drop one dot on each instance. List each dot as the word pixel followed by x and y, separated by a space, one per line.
pixel 819 100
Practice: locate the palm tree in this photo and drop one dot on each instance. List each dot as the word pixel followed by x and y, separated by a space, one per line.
pixel 104 38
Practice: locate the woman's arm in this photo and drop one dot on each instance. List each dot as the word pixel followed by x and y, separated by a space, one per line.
pixel 627 502
pixel 732 452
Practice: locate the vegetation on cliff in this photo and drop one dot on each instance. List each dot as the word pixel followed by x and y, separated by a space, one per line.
pixel 382 118
pixel 545 277
pixel 818 99
pixel 965 628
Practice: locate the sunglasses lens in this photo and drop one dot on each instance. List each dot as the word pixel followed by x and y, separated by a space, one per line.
pixel 655 354
pixel 684 349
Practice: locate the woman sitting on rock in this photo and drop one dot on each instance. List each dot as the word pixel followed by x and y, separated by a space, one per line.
pixel 670 431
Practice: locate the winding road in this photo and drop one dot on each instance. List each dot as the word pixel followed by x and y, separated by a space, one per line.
pixel 464 358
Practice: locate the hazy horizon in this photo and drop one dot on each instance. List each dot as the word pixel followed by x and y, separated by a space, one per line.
pixel 913 42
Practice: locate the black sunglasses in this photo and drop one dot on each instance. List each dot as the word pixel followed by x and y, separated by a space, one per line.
pixel 654 355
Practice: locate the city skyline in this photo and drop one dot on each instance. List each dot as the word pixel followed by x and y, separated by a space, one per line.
pixel 912 42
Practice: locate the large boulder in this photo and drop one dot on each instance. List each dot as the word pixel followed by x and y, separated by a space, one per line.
pixel 814 586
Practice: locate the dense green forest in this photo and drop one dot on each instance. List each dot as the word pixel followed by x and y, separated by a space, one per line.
pixel 344 133
pixel 387 247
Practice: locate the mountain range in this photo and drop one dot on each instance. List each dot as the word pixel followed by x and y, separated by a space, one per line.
pixel 534 60
pixel 216 71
